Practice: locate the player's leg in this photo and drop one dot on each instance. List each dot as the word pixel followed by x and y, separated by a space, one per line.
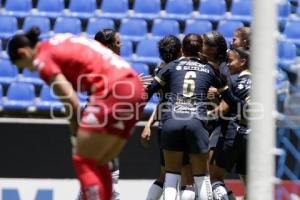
pixel 187 190
pixel 173 147
pixel 115 178
pixel 198 143
pixel 156 189
pixel 95 181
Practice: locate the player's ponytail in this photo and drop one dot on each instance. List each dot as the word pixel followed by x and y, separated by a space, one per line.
pixel 33 35
pixel 28 39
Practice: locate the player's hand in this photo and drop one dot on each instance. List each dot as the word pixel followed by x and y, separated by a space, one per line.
pixel 146 79
pixel 145 137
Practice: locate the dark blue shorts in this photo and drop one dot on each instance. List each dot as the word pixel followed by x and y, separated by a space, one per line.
pixel 185 159
pixel 185 135
pixel 231 149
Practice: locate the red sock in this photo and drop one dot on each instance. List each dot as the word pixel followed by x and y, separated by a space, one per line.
pixel 107 179
pixel 92 185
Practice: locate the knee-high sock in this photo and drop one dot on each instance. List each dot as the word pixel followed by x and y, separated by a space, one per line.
pixel 219 191
pixel 171 182
pixel 115 179
pixel 155 191
pixel 203 187
pixel 105 174
pixel 187 193
pixel 92 186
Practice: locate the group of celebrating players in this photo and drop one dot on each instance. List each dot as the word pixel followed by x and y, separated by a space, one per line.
pixel 204 91
pixel 202 126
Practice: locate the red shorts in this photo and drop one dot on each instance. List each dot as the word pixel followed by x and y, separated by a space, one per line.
pixel 118 112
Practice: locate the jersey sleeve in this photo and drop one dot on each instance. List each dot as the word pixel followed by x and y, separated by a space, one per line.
pixel 46 66
pixel 159 80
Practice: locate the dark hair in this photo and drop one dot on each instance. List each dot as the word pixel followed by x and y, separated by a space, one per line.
pixel 216 39
pixel 192 45
pixel 244 33
pixel 106 36
pixel 243 53
pixel 169 48
pixel 28 39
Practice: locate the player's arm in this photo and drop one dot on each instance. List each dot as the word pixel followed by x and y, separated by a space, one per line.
pixel 146 134
pixel 159 80
pixel 223 107
pixel 65 92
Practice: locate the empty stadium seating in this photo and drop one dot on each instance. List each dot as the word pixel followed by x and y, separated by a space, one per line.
pixel 115 9
pixel 82 8
pixel 20 97
pixel 227 28
pixel 241 10
pixel 8 26
pixel 18 8
pixel 42 22
pixel 126 49
pixel 197 26
pixel 146 9
pixel 147 52
pixel 286 53
pixel 141 68
pixel 48 101
pixel 52 9
pixel 31 77
pixel 97 24
pixel 164 27
pixel 213 10
pixel 8 72
pixel 67 25
pixel 179 9
pixel 133 29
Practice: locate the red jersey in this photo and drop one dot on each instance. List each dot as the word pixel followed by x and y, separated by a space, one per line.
pixel 85 63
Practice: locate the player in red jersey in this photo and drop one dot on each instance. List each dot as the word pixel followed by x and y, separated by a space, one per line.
pixel 72 63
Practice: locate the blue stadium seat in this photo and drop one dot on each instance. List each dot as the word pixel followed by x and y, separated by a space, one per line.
pixel 140 68
pixel 284 10
pixel 133 29
pixel 292 32
pixel 147 52
pixel 48 101
pixel 42 22
pixel 8 72
pixel 31 77
pixel 67 25
pixel 52 9
pixel 227 28
pixel 18 8
pixel 126 49
pixel 83 99
pixel 146 9
pixel 115 9
pixel 151 105
pixel 197 26
pixel 286 53
pixel 164 27
pixel 97 24
pixel 82 8
pixel 20 97
pixel 213 10
pixel 241 10
pixel 179 9
pixel 298 11
pixel 8 26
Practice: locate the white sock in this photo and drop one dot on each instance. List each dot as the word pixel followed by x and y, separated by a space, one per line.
pixel 219 191
pixel 204 187
pixel 187 193
pixel 155 191
pixel 170 186
pixel 115 178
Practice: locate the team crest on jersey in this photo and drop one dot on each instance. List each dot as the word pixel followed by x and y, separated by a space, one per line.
pixel 178 68
pixel 240 86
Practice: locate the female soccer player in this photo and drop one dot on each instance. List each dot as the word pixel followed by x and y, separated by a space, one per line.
pixel 184 117
pixel 111 39
pixel 72 63
pixel 231 147
pixel 169 50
